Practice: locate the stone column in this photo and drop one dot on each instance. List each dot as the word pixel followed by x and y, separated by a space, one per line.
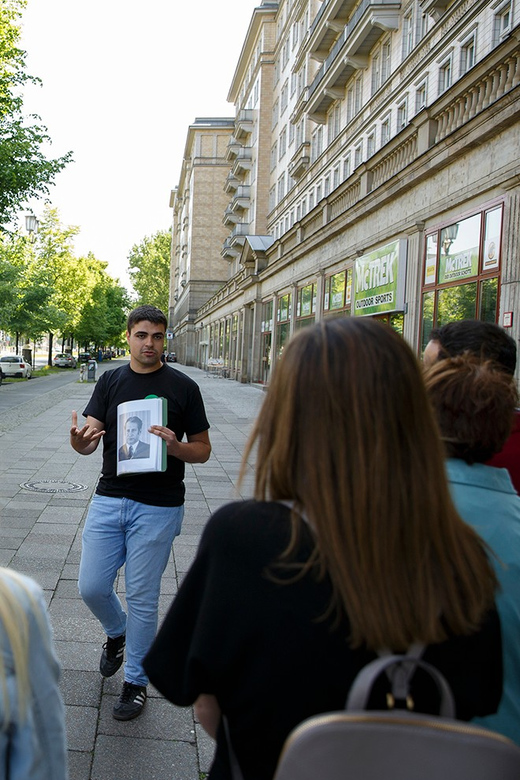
pixel 414 265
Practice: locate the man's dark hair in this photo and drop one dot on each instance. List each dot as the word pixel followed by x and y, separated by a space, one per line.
pixel 146 312
pixel 135 421
pixel 485 340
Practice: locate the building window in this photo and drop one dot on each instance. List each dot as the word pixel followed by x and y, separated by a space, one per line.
pixel 281 187
pixel 421 94
pixel 335 177
pixel 317 143
pixel 445 75
pixel 283 143
pixel 346 167
pixel 408 29
pixel 267 337
pixel 358 155
pixel 334 122
pixel 311 200
pixel 371 144
pixel 502 23
pixel 461 271
pixel 380 66
pixel 318 192
pixel 292 132
pixel 327 186
pixel 276 107
pixel 305 306
pixel 468 54
pixel 284 97
pixel 402 115
pixel 283 322
pixel 354 97
pixel 385 129
pixel 337 293
pixel 274 155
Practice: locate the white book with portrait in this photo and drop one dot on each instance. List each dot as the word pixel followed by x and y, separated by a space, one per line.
pixel 138 450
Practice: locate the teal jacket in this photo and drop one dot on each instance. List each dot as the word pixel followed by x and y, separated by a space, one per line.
pixel 486 499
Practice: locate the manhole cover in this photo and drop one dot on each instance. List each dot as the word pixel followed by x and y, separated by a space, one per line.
pixel 53 486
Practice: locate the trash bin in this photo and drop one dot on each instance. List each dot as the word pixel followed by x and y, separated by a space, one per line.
pixel 91 371
pixel 27 355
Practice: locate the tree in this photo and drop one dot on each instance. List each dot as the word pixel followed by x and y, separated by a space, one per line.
pixel 149 270
pixel 25 172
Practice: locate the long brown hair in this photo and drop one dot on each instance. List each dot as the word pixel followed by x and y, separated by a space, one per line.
pixel 346 432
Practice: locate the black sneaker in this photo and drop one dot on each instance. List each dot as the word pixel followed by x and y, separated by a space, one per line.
pixel 131 702
pixel 112 655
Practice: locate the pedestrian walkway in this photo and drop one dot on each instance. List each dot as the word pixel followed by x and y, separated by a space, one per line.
pixel 40 535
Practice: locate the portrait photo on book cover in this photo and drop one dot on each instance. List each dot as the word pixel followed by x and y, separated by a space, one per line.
pixel 138 450
pixel 136 437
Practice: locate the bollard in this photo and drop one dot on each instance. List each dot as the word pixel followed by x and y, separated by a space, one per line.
pixel 82 372
pixel 91 371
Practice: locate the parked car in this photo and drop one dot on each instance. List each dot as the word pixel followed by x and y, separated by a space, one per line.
pixel 63 360
pixel 171 357
pixel 84 357
pixel 15 365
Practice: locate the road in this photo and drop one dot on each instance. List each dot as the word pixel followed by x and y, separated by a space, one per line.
pixel 20 401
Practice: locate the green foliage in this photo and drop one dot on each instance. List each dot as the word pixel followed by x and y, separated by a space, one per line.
pixel 149 270
pixel 25 172
pixel 45 288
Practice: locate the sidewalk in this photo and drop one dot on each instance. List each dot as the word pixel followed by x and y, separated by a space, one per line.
pixel 40 535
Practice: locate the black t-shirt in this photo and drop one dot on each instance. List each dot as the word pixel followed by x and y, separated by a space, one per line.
pixel 186 416
pixel 265 651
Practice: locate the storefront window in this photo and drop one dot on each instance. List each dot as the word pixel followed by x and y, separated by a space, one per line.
pixel 305 306
pixel 267 338
pixel 337 295
pixel 489 300
pixel 461 271
pixel 283 324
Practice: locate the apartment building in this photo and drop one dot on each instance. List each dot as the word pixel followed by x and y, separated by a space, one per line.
pixel 382 143
pixel 198 202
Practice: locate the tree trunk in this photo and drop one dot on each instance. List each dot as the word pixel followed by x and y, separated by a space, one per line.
pixel 49 357
pixel 16 343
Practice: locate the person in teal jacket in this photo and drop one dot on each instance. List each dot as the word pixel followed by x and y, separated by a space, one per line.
pixel 474 402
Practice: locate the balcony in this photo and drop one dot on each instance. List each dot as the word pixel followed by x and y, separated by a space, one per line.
pixel 228 251
pixel 242 198
pixel 239 233
pixel 230 218
pixel 233 149
pixel 243 161
pixel 370 20
pixel 300 161
pixel 231 183
pixel 244 124
pixel 328 23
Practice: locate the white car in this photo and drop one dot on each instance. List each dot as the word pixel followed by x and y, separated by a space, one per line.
pixel 14 365
pixel 64 360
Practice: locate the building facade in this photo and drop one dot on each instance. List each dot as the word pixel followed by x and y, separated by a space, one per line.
pixel 382 142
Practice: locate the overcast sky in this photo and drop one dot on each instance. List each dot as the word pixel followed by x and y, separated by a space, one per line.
pixel 121 83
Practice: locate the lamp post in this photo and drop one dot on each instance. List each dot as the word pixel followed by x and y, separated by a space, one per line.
pixel 31 226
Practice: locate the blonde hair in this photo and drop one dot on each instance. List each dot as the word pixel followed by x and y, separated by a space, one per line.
pixel 14 618
pixel 347 433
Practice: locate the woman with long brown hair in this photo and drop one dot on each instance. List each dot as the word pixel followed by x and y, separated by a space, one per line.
pixel 350 546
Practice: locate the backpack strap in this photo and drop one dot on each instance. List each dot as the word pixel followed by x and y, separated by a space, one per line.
pixel 361 689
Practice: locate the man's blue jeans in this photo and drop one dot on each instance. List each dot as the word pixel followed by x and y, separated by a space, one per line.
pixel 120 531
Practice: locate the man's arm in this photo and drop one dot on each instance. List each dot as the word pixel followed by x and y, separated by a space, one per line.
pixel 196 450
pixel 85 440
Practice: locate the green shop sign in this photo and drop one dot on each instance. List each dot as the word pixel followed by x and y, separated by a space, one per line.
pixel 453 268
pixel 380 280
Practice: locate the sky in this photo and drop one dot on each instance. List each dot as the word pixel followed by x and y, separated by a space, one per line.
pixel 122 81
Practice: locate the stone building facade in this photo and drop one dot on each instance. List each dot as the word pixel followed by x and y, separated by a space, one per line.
pixel 391 178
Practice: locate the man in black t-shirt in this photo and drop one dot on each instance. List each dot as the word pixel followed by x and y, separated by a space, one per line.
pixel 133 519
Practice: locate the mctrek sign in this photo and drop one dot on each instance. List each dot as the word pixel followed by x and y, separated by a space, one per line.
pixel 380 280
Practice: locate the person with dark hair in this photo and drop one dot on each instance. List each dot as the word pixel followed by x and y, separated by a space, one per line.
pixel 351 545
pixel 474 402
pixel 486 341
pixel 133 519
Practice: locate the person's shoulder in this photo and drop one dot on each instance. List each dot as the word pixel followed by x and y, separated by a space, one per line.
pixel 249 522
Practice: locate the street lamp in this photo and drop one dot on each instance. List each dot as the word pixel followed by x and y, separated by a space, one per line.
pixel 31 226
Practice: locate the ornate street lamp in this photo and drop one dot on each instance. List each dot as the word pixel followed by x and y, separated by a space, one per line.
pixel 31 226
